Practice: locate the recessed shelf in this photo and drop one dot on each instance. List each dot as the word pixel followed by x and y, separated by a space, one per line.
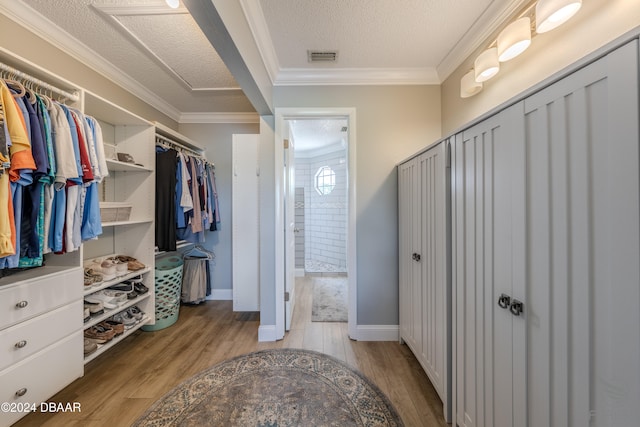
pixel 118 166
pixel 130 222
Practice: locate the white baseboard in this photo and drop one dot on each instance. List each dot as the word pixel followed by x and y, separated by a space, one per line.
pixel 299 272
pixel 267 333
pixel 377 333
pixel 221 295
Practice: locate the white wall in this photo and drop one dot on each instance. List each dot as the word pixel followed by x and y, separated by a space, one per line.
pixel 597 23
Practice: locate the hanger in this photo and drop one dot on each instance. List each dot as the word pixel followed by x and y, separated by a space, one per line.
pixel 14 84
pixel 197 251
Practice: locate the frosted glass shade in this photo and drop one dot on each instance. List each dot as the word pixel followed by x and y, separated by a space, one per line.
pixel 468 85
pixel 487 65
pixel 174 4
pixel 514 39
pixel 553 13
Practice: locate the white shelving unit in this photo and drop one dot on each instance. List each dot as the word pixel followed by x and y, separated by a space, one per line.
pixel 36 359
pixel 133 184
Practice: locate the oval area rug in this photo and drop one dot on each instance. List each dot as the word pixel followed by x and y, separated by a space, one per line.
pixel 274 388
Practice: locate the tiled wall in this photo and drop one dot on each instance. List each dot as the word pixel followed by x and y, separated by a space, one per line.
pixel 325 215
pixel 299 234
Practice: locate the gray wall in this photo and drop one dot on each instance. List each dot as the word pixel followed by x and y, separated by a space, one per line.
pixel 393 122
pixel 216 138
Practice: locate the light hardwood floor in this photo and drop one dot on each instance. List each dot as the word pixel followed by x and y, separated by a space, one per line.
pixel 121 384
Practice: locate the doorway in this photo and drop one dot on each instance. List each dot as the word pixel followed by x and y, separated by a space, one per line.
pixel 325 169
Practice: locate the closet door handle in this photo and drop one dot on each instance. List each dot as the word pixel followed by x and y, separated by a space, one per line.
pixel 21 392
pixel 22 304
pixel 21 344
pixel 504 301
pixel 416 257
pixel 517 307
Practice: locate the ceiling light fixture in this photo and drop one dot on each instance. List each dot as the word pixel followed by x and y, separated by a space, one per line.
pixel 468 85
pixel 173 4
pixel 553 13
pixel 514 39
pixel 486 65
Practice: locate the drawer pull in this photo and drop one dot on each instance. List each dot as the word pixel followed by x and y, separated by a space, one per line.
pixel 22 304
pixel 21 392
pixel 21 344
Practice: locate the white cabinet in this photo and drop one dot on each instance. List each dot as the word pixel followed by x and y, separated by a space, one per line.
pixel 484 170
pixel 546 211
pixel 425 291
pixel 131 185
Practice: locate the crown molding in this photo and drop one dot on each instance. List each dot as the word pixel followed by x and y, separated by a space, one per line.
pixel 479 34
pixel 45 29
pixel 219 118
pixel 357 76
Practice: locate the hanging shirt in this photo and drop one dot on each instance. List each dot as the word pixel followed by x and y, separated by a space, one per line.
pixel 20 149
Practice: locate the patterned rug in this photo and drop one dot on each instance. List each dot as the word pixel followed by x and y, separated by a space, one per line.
pixel 329 299
pixel 274 388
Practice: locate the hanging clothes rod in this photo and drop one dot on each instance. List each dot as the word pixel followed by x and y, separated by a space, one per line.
pixel 73 97
pixel 164 141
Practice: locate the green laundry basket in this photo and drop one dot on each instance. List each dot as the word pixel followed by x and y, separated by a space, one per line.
pixel 168 275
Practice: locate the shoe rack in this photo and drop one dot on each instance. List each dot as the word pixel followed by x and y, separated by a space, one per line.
pixel 131 185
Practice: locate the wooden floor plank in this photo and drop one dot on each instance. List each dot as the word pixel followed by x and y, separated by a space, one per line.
pixel 123 383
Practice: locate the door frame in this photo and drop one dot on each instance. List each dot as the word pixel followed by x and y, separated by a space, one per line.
pixel 281 116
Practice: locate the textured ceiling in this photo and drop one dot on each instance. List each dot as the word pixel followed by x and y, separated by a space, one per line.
pixel 369 33
pixel 162 55
pixel 159 48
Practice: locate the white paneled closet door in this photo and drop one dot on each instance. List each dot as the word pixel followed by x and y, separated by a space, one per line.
pixel 485 162
pixel 583 252
pixel 433 277
pixel 410 298
pixel 246 228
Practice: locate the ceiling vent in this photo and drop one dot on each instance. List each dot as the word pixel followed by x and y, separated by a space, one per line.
pixel 322 56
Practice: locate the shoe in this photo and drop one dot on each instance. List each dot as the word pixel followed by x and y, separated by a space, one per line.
pixel 89 346
pixel 110 299
pixel 108 269
pixel 99 333
pixel 96 308
pixel 125 318
pixel 135 312
pixel 140 288
pixel 91 277
pixel 132 263
pixel 118 327
pixel 121 267
pixel 127 288
pixel 87 314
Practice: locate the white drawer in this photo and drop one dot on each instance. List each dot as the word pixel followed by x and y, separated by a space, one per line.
pixel 39 377
pixel 24 339
pixel 18 303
